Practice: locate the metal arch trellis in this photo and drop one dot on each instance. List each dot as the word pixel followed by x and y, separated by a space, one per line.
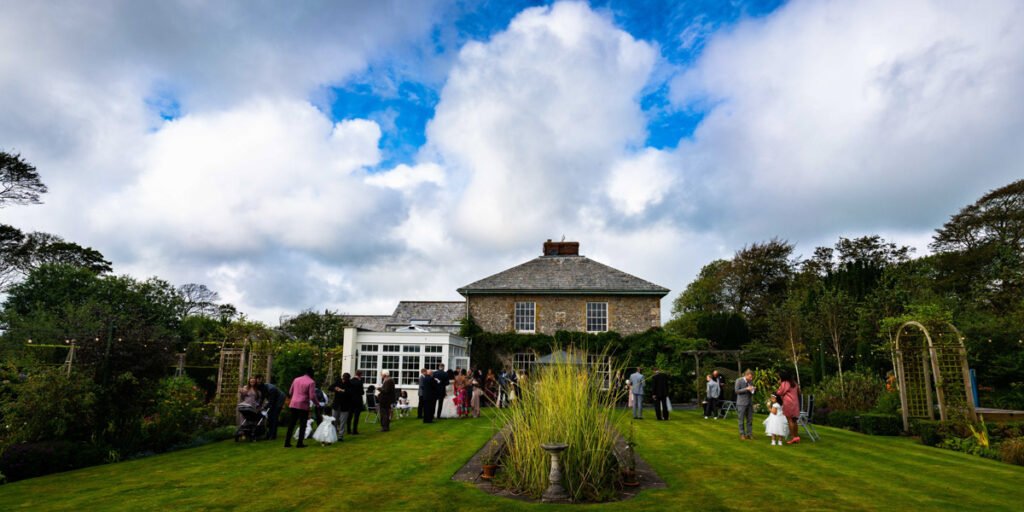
pixel 927 364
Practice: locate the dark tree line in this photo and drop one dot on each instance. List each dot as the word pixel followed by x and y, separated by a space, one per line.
pixel 837 309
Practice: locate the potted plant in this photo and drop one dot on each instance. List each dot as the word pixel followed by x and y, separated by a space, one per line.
pixel 629 476
pixel 490 460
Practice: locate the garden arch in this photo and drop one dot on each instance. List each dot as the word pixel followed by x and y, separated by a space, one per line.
pixel 931 360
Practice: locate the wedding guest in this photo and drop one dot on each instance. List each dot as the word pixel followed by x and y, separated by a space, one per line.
pixel 441 387
pixel 744 404
pixel 636 387
pixel 659 394
pixel 342 403
pixel 273 399
pixel 385 400
pixel 356 406
pixel 713 391
pixel 302 391
pixel 789 394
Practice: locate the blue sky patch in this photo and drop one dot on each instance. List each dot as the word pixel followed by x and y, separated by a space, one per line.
pixel 393 93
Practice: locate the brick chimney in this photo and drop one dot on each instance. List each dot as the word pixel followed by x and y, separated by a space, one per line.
pixel 561 248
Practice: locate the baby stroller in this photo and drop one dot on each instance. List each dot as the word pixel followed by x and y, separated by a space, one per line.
pixel 254 422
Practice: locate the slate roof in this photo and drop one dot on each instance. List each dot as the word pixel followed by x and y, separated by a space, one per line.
pixel 443 316
pixel 368 322
pixel 440 313
pixel 563 275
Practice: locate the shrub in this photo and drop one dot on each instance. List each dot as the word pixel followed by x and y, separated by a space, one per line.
pixel 564 403
pixel 1007 430
pixel 861 392
pixel 931 432
pixel 881 424
pixel 27 460
pixel 969 445
pixel 843 419
pixel 180 414
pixel 1011 451
pixel 888 403
pixel 51 404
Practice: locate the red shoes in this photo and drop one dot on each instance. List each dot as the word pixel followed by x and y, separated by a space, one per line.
pixel 794 440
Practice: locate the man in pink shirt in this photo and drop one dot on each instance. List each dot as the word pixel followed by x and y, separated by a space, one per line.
pixel 302 391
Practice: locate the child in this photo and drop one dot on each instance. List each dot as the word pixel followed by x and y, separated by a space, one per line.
pixel 776 425
pixel 403 405
pixel 326 433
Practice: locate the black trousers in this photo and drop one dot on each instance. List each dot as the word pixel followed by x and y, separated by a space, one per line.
pixel 660 409
pixel 273 414
pixel 353 421
pixel 440 404
pixel 711 407
pixel 427 404
pixel 384 409
pixel 419 407
pixel 300 416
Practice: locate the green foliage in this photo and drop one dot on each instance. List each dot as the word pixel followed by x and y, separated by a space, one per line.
pixel 888 403
pixel 562 403
pixel 969 445
pixel 28 460
pixel 844 419
pixel 19 181
pixel 327 327
pixel 931 432
pixel 51 404
pixel 881 424
pixel 291 360
pixel 180 413
pixel 765 381
pixel 862 392
pixel 1011 451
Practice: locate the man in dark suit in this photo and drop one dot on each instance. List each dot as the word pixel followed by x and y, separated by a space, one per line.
pixel 427 390
pixel 659 393
pixel 356 407
pixel 441 377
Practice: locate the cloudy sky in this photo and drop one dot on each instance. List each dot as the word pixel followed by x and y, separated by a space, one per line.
pixel 348 155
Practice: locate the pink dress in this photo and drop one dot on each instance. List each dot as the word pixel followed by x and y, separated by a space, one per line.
pixel 790 399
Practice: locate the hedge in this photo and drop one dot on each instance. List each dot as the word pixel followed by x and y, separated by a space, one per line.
pixel 877 424
pixel 27 460
pixel 844 419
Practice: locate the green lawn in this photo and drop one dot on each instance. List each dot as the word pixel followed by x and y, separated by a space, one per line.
pixel 704 464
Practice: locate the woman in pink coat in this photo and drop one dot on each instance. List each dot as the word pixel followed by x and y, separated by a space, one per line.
pixel 789 393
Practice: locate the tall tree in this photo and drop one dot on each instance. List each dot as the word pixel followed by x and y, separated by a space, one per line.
pixel 198 299
pixel 980 250
pixel 834 311
pixel 19 181
pixel 22 253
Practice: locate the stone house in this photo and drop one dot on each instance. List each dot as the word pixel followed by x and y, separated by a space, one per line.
pixel 562 290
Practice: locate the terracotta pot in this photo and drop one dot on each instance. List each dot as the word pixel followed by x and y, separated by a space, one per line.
pixel 629 479
pixel 489 470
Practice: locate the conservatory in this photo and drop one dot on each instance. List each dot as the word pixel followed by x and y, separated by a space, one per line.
pixel 402 354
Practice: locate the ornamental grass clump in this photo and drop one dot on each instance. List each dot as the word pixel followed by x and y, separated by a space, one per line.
pixel 563 402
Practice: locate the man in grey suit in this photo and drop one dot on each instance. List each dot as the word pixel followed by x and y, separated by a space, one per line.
pixel 636 384
pixel 744 404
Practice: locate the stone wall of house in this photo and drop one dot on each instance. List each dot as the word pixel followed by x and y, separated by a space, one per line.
pixel 627 314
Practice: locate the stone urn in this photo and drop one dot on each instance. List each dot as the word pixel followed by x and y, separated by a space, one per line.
pixel 555 491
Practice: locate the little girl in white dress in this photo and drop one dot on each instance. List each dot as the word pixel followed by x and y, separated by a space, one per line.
pixel 775 425
pixel 326 433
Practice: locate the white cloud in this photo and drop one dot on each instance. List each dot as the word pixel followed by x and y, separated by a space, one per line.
pixel 824 119
pixel 635 184
pixel 855 116
pixel 530 122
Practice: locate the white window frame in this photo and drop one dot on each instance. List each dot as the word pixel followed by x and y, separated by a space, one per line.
pixel 525 317
pixel 596 316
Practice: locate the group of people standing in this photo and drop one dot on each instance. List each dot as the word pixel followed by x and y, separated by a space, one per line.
pixel 305 398
pixel 783 409
pixel 659 394
pixel 467 388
